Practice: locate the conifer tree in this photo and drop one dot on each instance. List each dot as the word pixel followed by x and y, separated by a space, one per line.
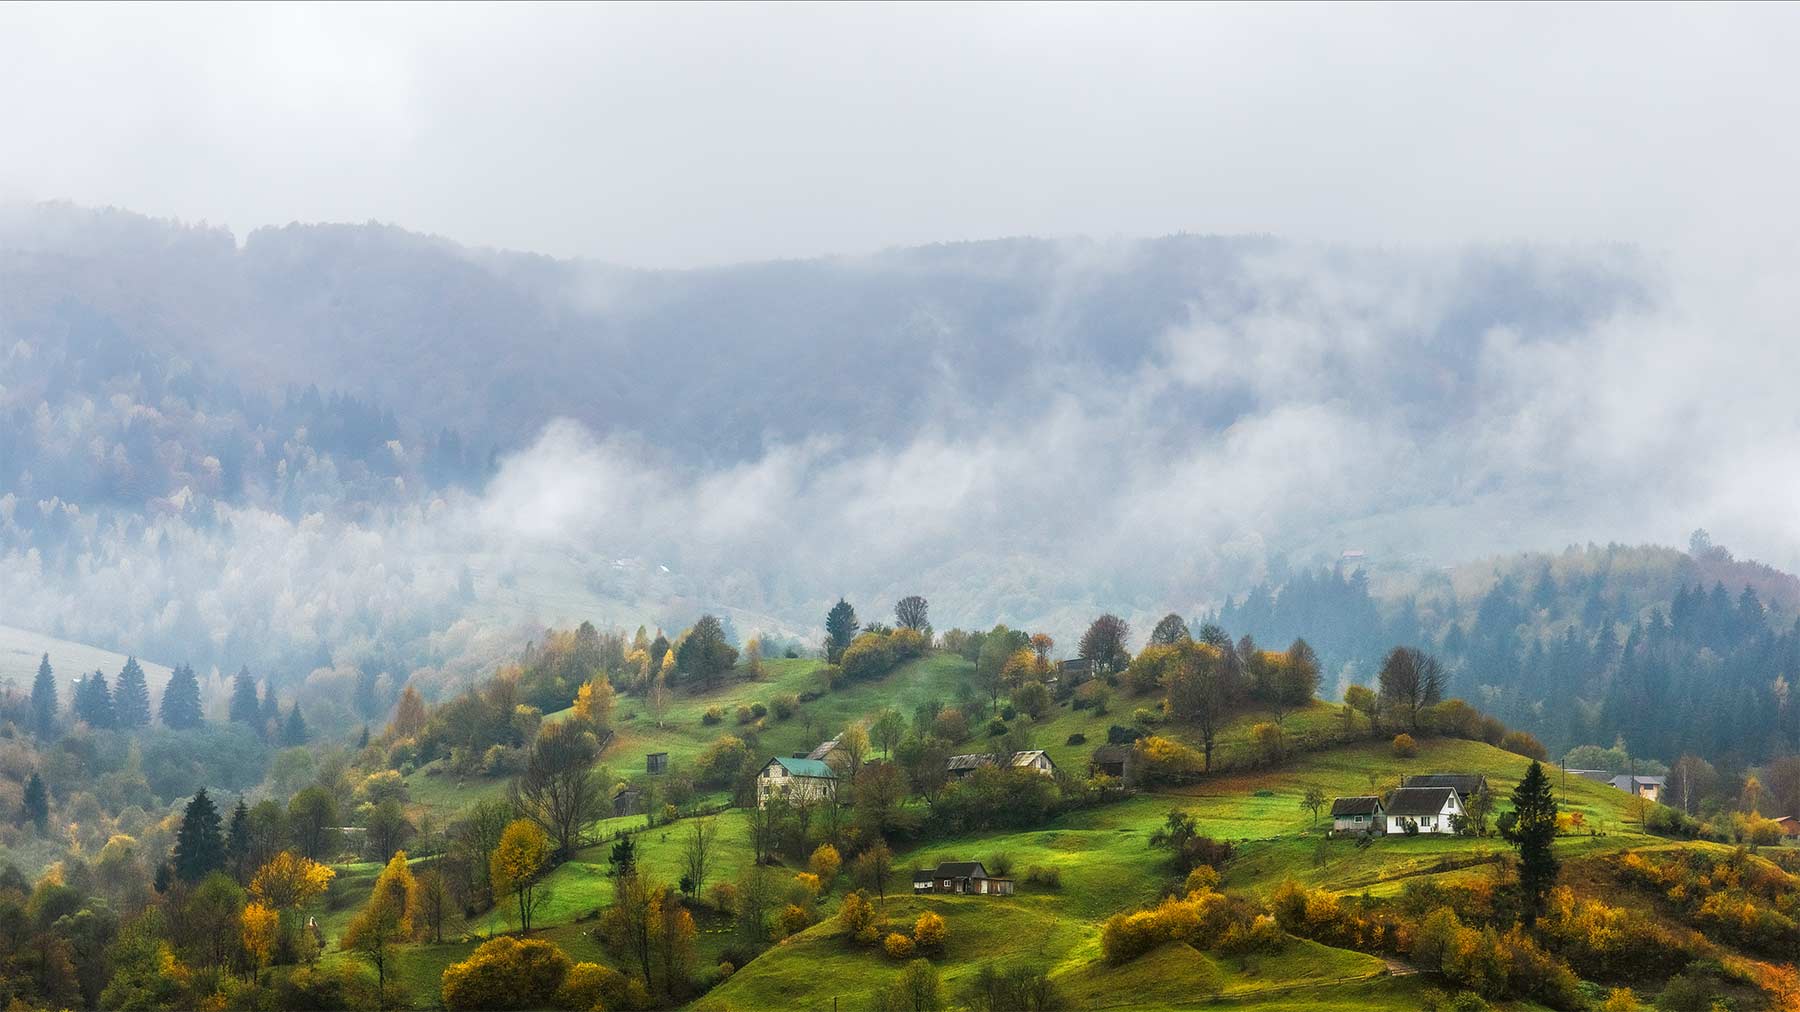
pixel 131 697
pixel 269 714
pixel 840 629
pixel 43 700
pixel 93 701
pixel 36 809
pixel 237 842
pixel 199 846
pixel 180 707
pixel 294 732
pixel 245 707
pixel 1531 827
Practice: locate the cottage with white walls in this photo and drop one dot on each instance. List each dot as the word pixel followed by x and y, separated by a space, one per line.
pixel 1432 809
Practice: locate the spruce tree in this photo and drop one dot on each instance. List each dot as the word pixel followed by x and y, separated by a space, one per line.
pixel 294 732
pixel 245 707
pixel 131 697
pixel 237 842
pixel 43 700
pixel 36 809
pixel 93 701
pixel 840 629
pixel 271 707
pixel 1531 827
pixel 181 700
pixel 199 846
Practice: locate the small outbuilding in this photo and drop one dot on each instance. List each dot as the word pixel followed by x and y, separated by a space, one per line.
pixel 1357 815
pixel 656 762
pixel 629 801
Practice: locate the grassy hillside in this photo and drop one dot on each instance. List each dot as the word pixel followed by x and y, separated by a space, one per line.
pixel 21 650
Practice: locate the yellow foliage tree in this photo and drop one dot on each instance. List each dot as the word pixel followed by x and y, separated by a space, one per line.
pixel 516 864
pixel 260 925
pixel 594 703
pixel 287 883
pixel 409 715
pixel 825 863
pixel 387 919
pixel 506 973
pixel 929 932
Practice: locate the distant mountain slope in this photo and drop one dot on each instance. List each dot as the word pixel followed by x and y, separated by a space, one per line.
pixel 20 652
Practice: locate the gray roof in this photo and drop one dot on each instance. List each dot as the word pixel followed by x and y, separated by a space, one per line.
pixel 1465 783
pixel 1025 758
pixel 960 869
pixel 1112 753
pixel 973 760
pixel 1624 781
pixel 1407 802
pixel 825 747
pixel 1367 805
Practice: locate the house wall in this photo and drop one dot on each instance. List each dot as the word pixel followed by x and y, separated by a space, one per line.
pixel 1439 823
pixel 1355 824
pixel 774 780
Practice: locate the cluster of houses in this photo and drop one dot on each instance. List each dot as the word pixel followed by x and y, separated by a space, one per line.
pixel 1431 803
pixel 814 776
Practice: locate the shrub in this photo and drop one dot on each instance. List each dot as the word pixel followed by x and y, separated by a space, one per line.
pixel 713 715
pixel 805 888
pixel 506 973
pixel 1467 1001
pixel 1144 716
pixel 784 705
pixel 857 916
pixel 724 897
pixel 1049 878
pixel 1203 878
pixel 996 728
pixel 792 920
pixel 592 986
pixel 825 863
pixel 744 715
pixel 1001 864
pixel 1009 712
pixel 929 932
pixel 721 761
pixel 1077 739
pixel 1404 746
pixel 1116 735
pixel 1524 744
pixel 898 946
pixel 758 710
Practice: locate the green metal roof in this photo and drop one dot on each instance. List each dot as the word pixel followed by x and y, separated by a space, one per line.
pixel 805 767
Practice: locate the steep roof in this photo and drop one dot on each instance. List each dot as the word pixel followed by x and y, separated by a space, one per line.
pixel 1112 753
pixel 1407 802
pixel 1368 805
pixel 825 747
pixel 961 869
pixel 1465 783
pixel 973 760
pixel 804 767
pixel 1026 758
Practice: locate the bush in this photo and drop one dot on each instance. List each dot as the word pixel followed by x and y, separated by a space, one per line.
pixel 857 916
pixel 713 715
pixel 1116 735
pixel 898 946
pixel 784 705
pixel 1077 739
pixel 724 897
pixel 1522 743
pixel 825 863
pixel 506 973
pixel 758 710
pixel 721 761
pixel 744 715
pixel 1144 716
pixel 1049 878
pixel 996 728
pixel 1009 712
pixel 929 932
pixel 591 986
pixel 793 919
pixel 1001 865
pixel 1404 746
pixel 1033 698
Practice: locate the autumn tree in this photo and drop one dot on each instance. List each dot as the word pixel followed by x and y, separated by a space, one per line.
pixel 409 714
pixel 840 629
pixel 434 902
pixel 910 612
pixel 1170 630
pixel 887 730
pixel 1411 680
pixel 1200 693
pixel 386 920
pixel 516 865
pixel 506 973
pixel 1313 800
pixel 657 700
pixel 873 868
pixel 286 884
pixel 560 789
pixel 1362 699
pixel 1105 644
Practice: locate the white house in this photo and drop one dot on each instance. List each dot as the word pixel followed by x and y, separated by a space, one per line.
pixel 795 779
pixel 1429 808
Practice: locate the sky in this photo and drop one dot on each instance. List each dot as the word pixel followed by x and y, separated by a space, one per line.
pixel 679 136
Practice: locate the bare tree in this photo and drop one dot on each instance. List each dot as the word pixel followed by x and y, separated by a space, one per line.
pixel 697 853
pixel 560 789
pixel 910 612
pixel 1412 680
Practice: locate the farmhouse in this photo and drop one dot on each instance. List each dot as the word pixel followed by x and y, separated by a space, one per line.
pixel 960 766
pixel 1649 788
pixel 1035 760
pixel 826 748
pixel 1114 761
pixel 968 877
pixel 796 780
pixel 1428 808
pixel 1074 671
pixel 1789 825
pixel 1467 784
pixel 1357 815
